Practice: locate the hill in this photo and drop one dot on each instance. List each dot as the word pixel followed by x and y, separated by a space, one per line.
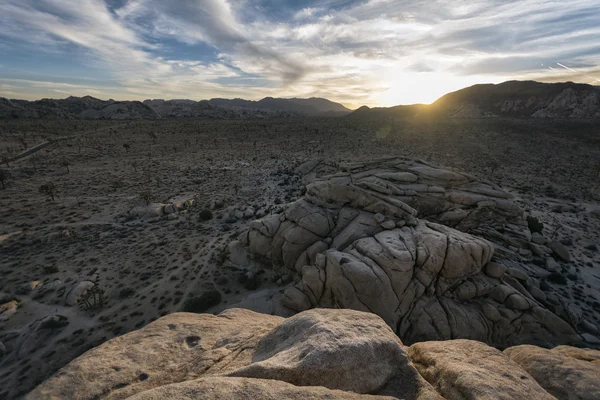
pixel 312 106
pixel 92 108
pixel 517 99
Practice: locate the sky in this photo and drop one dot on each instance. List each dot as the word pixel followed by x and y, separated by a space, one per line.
pixel 357 52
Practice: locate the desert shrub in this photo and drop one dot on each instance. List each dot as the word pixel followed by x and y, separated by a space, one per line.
pixel 203 302
pixel 126 292
pixel 92 298
pixel 50 269
pixel 4 175
pixel 117 184
pixel 49 189
pixel 205 215
pixel 147 196
pixel 534 224
pixel 65 163
pixel 557 278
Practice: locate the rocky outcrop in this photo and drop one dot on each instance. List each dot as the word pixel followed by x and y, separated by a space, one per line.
pixel 524 99
pixel 316 354
pixel 337 350
pixel 460 369
pixel 414 244
pixel 565 372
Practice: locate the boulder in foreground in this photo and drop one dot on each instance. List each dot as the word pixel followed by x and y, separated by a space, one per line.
pixel 316 354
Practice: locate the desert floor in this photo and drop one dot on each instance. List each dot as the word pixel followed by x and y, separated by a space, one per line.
pixel 238 170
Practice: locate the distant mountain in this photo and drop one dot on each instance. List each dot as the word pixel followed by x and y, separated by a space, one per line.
pixel 518 99
pixel 313 106
pixel 91 108
pixel 75 108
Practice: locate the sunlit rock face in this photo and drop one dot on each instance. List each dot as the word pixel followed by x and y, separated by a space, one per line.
pixel 414 244
pixel 316 354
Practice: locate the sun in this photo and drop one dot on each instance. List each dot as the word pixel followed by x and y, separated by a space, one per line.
pixel 425 87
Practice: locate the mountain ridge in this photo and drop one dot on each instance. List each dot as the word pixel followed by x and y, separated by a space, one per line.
pixel 515 99
pixel 88 107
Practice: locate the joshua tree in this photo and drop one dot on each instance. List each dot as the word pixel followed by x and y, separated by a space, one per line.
pixel 93 297
pixel 50 190
pixel 65 163
pixel 33 160
pixel 117 184
pixel 493 165
pixel 3 177
pixel 147 196
pixel 79 143
pixel 23 142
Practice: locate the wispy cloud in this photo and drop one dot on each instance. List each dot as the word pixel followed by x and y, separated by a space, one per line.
pixel 376 52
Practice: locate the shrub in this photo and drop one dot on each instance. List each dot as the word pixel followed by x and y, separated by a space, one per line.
pixel 93 298
pixel 3 177
pixel 205 215
pixel 534 224
pixel 147 196
pixel 202 303
pixel 557 278
pixel 65 163
pixel 50 190
pixel 117 184
pixel 50 269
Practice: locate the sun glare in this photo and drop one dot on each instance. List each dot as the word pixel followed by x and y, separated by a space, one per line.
pixel 425 87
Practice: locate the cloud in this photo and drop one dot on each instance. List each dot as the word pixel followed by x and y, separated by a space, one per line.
pixel 357 52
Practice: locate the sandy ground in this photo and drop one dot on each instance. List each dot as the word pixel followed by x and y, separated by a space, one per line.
pixel 239 170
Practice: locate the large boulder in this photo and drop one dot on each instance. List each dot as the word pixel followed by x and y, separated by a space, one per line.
pixel 465 369
pixel 354 241
pixel 336 349
pixel 317 348
pixel 316 354
pixel 225 388
pixel 567 372
pixel 175 348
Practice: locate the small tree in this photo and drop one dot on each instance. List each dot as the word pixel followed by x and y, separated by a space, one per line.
pixel 147 196
pixel 117 184
pixel 4 175
pixel 65 163
pixel 126 146
pixel 34 160
pixel 50 190
pixel 79 144
pixel 93 298
pixel 23 142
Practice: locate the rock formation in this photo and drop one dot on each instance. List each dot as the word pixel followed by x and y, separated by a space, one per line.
pixel 426 249
pixel 316 354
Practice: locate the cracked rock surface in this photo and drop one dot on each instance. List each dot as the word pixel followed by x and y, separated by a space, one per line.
pixel 425 248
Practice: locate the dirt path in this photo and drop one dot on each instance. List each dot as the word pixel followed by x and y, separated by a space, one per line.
pixel 45 144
